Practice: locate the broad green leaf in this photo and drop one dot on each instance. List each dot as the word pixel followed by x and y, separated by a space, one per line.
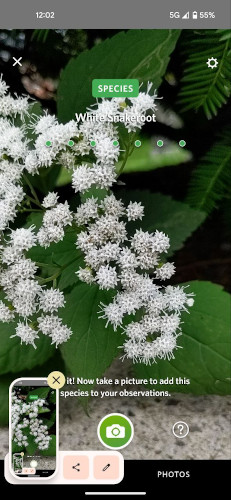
pixel 63 257
pixel 50 422
pixel 142 54
pixel 175 218
pixel 5 382
pixel 41 392
pixel 16 448
pixel 205 355
pixel 32 446
pixel 92 347
pixel 150 157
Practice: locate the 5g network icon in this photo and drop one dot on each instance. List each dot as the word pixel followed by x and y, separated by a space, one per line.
pixel 173 15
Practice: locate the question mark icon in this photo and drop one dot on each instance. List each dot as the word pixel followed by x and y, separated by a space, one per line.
pixel 180 429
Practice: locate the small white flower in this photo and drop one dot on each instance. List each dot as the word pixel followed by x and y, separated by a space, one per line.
pixel 85 274
pixel 60 335
pixel 103 176
pixel 3 87
pixel 26 334
pixel 176 298
pixel 112 313
pixel 82 178
pixel 6 314
pixel 41 124
pixel 23 239
pixel 112 206
pixel 32 162
pixel 106 277
pixel 51 300
pixel 49 323
pixel 160 242
pixel 50 200
pixel 165 272
pixel 24 296
pixel 105 151
pixel 87 211
pixel 134 211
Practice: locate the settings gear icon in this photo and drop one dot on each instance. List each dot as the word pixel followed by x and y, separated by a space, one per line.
pixel 212 62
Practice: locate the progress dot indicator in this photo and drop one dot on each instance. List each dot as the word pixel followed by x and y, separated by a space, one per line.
pixel 137 143
pixel 182 143
pixel 71 143
pixel 48 144
pixel 160 143
pixel 92 143
pixel 115 143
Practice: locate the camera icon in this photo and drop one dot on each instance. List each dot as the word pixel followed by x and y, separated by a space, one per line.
pixel 115 431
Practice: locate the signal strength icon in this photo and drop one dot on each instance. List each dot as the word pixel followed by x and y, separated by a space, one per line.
pixel 186 16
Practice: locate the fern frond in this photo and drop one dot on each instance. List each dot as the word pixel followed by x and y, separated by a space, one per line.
pixel 40 35
pixel 224 34
pixel 211 180
pixel 204 87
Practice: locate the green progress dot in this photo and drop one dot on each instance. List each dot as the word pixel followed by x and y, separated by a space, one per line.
pixel 182 143
pixel 137 143
pixel 160 143
pixel 115 143
pixel 93 143
pixel 48 144
pixel 70 143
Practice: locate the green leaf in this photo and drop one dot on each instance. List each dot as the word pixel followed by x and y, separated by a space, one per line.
pixel 63 254
pixel 50 422
pixel 211 180
pixel 16 448
pixel 175 218
pixel 41 392
pixel 205 355
pixel 51 451
pixel 149 157
pixel 142 54
pixel 204 87
pixel 92 347
pixel 32 446
pixel 5 382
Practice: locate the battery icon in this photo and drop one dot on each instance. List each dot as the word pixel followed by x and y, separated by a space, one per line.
pixel 194 14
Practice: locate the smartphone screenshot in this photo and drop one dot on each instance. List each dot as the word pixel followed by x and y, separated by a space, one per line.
pixel 115 245
pixel 33 428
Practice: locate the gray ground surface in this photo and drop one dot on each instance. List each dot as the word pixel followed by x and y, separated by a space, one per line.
pixel 208 418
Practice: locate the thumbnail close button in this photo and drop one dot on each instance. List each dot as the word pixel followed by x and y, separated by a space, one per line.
pixel 106 467
pixel 76 467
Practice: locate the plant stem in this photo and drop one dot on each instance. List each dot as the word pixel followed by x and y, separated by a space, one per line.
pixel 32 210
pixel 32 189
pixel 127 154
pixel 35 202
pixel 57 274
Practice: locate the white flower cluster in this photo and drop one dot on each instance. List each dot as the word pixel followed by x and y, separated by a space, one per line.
pixel 25 415
pixel 113 261
pixel 25 297
pixel 13 150
pixel 56 217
